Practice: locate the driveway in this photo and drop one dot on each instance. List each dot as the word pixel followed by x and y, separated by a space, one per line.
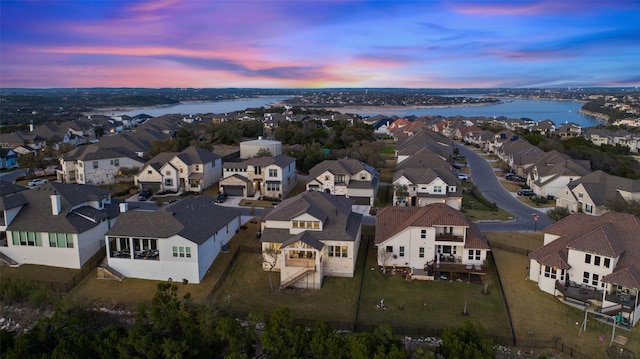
pixel 488 184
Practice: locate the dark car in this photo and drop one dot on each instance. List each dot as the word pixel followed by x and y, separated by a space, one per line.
pixel 144 195
pixel 221 197
pixel 525 192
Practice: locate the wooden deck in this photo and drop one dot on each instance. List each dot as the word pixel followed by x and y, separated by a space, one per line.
pixel 447 271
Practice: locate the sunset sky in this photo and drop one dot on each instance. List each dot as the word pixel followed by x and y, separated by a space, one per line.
pixel 296 43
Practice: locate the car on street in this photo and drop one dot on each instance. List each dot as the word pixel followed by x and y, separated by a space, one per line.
pixel 221 198
pixel 525 192
pixel 463 176
pixel 144 195
pixel 37 182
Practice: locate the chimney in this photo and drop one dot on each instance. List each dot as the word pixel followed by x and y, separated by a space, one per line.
pixel 31 127
pixel 55 204
pixel 124 207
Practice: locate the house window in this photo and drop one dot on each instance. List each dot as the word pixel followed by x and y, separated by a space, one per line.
pixel 588 208
pixel 423 233
pixel 148 172
pixel 181 170
pixel 389 249
pixel 595 279
pixel 437 189
pixel 474 254
pixel 550 272
pixel 168 182
pixel 257 170
pixel 21 238
pixel 95 164
pixel 340 179
pixel 401 251
pixel 197 167
pixel 115 162
pixel 182 252
pixel 273 172
pixel 167 172
pixel 338 251
pixel 596 260
pixel 273 186
pixel 607 262
pixel 587 258
pixel 585 277
pixel 61 240
pixel 363 176
pixel 80 164
pixel 421 252
pixel 580 195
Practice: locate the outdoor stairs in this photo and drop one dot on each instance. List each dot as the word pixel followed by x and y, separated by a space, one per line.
pixel 297 276
pixel 5 258
pixel 106 272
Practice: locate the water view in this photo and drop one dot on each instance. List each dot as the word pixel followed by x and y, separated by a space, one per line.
pixel 557 111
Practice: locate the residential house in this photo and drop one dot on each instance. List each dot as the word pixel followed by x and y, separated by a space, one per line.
pixel 595 192
pixel 569 129
pixel 547 179
pixel 57 224
pixel 310 236
pixel 178 242
pixel 272 177
pixel 592 259
pixel 428 240
pixel 10 203
pixel 8 158
pixel 434 182
pixel 95 165
pixel 425 138
pixel 345 177
pixel 545 127
pixel 21 139
pixel 192 170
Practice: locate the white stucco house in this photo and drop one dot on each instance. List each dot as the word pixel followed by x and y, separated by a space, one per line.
pixel 192 170
pixel 310 236
pixel 425 185
pixel 57 224
pixel 272 177
pixel 345 177
pixel 178 242
pixel 429 240
pixel 95 165
pixel 592 259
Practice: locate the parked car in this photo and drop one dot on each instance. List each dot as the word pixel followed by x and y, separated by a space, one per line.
pixel 525 192
pixel 221 198
pixel 516 178
pixel 463 176
pixel 509 175
pixel 37 182
pixel 144 195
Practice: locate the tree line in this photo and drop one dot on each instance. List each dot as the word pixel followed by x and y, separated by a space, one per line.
pixel 175 327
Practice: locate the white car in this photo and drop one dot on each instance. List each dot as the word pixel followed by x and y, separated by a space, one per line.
pixel 37 182
pixel 463 176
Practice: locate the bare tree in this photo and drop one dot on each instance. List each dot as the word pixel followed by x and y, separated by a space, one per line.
pixel 270 258
pixel 401 192
pixel 383 258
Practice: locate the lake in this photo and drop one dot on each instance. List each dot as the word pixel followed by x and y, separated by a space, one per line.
pixel 537 110
pixel 557 111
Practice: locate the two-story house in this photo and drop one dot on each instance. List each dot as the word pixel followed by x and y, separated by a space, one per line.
pixel 592 259
pixel 192 170
pixel 95 165
pixel 424 185
pixel 595 192
pixel 547 179
pixel 310 236
pixel 271 177
pixel 345 177
pixel 429 240
pixel 177 242
pixel 57 224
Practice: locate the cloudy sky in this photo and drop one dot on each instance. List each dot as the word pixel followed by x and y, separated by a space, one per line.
pixel 304 43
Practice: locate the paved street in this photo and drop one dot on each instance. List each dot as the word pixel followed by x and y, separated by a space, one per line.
pixel 483 176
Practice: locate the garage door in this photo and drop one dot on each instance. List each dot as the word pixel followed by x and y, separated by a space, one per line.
pixel 364 201
pixel 233 190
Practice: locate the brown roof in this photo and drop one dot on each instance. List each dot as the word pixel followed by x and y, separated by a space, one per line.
pixel 394 219
pixel 612 234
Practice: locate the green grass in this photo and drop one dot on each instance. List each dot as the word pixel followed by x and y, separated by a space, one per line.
pixel 38 273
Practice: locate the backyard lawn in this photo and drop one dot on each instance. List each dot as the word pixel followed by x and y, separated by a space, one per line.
pixel 537 315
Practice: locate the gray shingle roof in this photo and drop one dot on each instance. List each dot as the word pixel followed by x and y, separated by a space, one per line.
pixel 195 219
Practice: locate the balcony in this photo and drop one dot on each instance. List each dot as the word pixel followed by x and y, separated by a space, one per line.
pixel 445 237
pixel 621 297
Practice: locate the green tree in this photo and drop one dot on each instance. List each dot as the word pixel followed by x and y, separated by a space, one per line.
pixel 30 161
pixel 558 213
pixel 466 341
pixel 240 341
pixel 283 336
pixel 326 343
